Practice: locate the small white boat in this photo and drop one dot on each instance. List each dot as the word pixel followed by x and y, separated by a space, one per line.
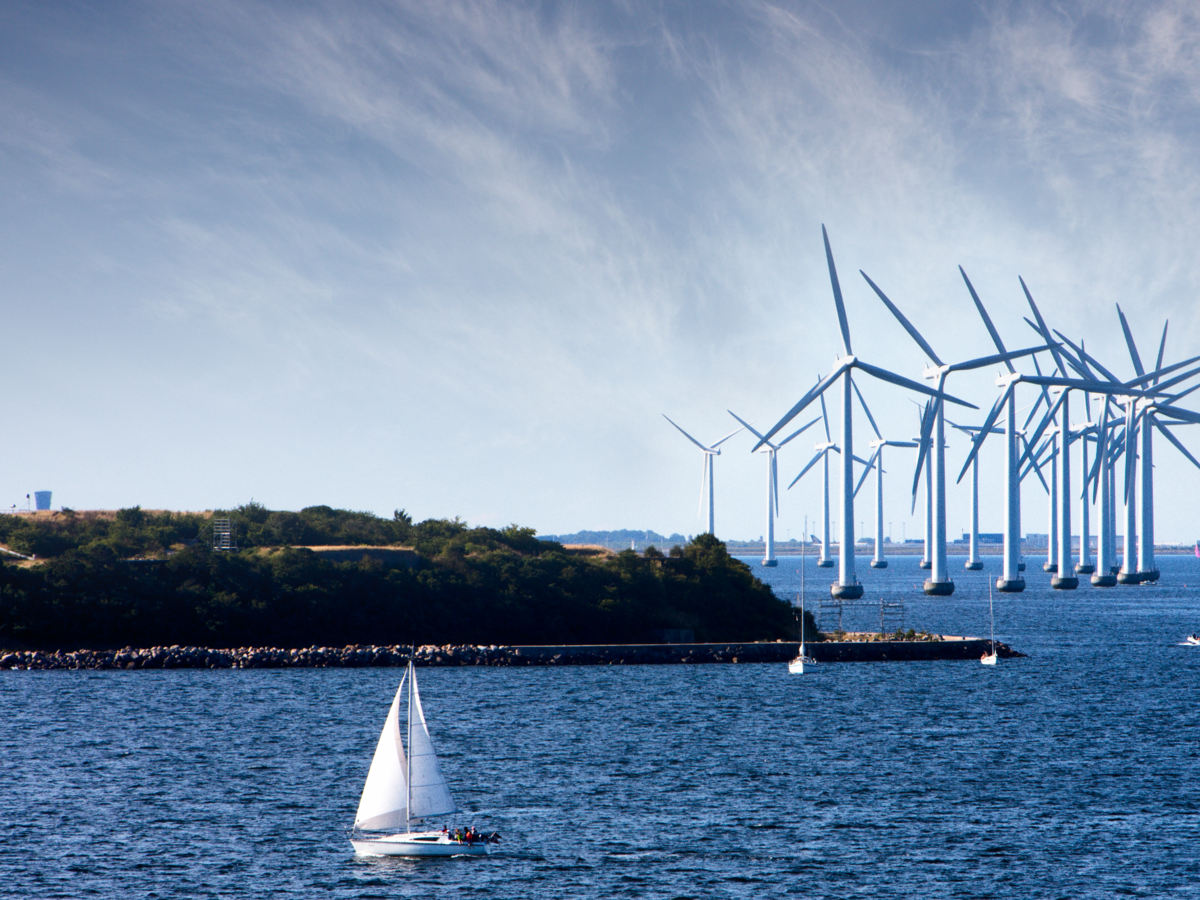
pixel 1191 641
pixel 990 659
pixel 796 666
pixel 402 790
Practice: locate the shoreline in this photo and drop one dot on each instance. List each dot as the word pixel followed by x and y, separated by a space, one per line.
pixel 866 649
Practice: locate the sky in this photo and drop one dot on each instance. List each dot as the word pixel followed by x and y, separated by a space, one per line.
pixel 460 258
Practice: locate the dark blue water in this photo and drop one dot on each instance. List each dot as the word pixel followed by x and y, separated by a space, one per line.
pixel 1074 773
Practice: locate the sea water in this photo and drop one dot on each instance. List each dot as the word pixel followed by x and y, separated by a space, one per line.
pixel 1073 773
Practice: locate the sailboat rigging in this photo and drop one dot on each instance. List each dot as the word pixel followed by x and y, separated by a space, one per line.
pixel 405 788
pixel 989 659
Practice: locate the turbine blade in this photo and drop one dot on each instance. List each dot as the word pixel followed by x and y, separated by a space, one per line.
pixel 1176 380
pixel 884 375
pixel 987 320
pixel 1184 415
pixel 1133 354
pixel 986 428
pixel 775 481
pixel 907 325
pixel 748 427
pixel 837 293
pixel 808 398
pixel 1174 440
pixel 686 435
pixel 812 462
pixel 1046 420
pixel 799 431
pixel 1162 345
pixel 724 439
pixel 1154 376
pixel 1045 332
pixel 867 468
pixel 825 419
pixel 995 358
pixel 863 404
pixel 926 429
pixel 1087 358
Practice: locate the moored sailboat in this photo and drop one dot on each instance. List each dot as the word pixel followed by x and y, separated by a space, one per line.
pixel 404 789
pixel 989 659
pixel 796 666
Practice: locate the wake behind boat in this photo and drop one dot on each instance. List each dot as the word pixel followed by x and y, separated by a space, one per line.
pixel 402 790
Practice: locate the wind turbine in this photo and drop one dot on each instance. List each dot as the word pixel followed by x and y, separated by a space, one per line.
pixel 847 586
pixel 973 563
pixel 709 453
pixel 876 460
pixel 772 483
pixel 824 560
pixel 939 583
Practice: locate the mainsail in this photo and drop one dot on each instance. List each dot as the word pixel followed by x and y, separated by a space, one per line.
pixel 430 795
pixel 385 795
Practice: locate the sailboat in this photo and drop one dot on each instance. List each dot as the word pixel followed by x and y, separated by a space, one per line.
pixel 403 790
pixel 796 666
pixel 989 659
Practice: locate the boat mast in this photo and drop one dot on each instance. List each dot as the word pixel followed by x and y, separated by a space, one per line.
pixel 408 756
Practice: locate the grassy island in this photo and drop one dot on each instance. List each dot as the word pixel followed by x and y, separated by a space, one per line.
pixel 140 578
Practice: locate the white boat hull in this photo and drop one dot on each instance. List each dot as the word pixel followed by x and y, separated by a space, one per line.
pixel 796 666
pixel 417 843
pixel 988 659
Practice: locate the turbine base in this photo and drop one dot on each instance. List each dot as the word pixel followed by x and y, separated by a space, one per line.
pixel 1129 578
pixel 845 591
pixel 1064 582
pixel 824 563
pixel 879 564
pixel 770 563
pixel 938 588
pixel 973 565
pixel 1151 576
pixel 1021 566
pixel 1104 580
pixel 1084 569
pixel 1010 585
pixel 925 564
pixel 1049 567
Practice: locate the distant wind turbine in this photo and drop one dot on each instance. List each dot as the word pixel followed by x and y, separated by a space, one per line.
pixel 709 453
pixel 772 482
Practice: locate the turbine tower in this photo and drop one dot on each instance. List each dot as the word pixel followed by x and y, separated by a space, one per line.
pixel 772 483
pixel 876 461
pixel 847 586
pixel 709 453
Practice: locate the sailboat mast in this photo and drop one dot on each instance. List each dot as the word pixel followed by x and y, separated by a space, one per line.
pixel 408 756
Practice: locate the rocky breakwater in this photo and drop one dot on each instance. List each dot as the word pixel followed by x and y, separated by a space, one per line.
pixel 367 656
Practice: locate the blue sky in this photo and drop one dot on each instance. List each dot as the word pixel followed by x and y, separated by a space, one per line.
pixel 460 257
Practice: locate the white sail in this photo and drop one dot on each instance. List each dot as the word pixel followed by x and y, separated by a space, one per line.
pixel 385 795
pixel 430 795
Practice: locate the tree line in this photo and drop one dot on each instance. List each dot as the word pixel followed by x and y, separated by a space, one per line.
pixel 465 585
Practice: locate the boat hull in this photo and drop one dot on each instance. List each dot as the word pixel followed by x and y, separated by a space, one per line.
pixel 432 843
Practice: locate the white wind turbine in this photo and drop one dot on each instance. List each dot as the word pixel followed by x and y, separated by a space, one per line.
pixel 876 461
pixel 847 586
pixel 772 482
pixel 824 560
pixel 939 583
pixel 709 453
